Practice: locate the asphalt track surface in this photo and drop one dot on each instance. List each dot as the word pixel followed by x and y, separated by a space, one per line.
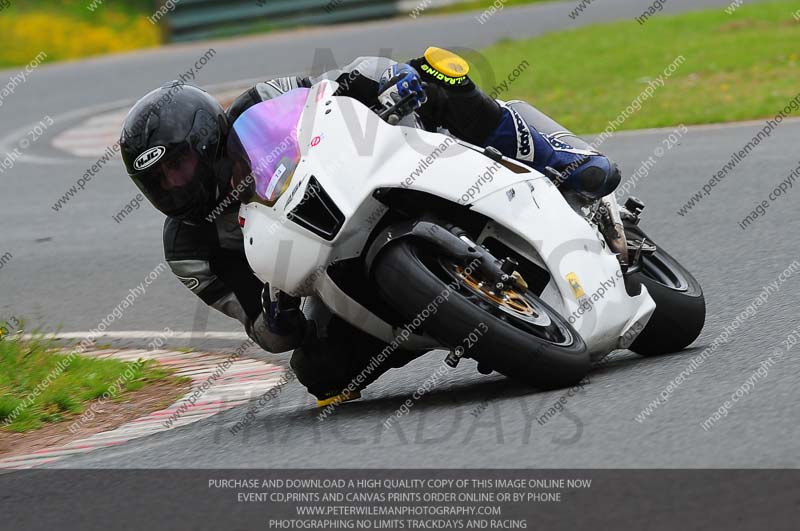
pixel 74 266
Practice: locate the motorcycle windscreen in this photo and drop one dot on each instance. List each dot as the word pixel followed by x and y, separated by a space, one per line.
pixel 263 147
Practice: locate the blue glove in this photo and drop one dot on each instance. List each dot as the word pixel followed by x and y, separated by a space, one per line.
pixel 397 82
pixel 284 317
pixel 281 325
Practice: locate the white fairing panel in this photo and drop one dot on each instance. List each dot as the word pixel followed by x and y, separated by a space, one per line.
pixel 351 152
pixel 586 283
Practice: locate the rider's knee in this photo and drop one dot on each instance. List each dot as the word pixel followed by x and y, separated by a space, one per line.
pixel 594 177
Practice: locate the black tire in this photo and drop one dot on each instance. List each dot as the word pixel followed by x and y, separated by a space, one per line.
pixel 680 305
pixel 409 277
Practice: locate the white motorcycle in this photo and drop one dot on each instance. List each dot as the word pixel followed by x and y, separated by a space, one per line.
pixel 426 242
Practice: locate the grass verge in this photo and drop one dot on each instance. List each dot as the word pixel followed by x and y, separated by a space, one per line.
pixel 737 67
pixel 481 6
pixel 39 386
pixel 73 29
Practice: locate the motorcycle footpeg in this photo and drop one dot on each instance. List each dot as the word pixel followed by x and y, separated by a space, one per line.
pixel 642 246
pixel 632 209
pixel 637 248
pixel 630 270
pixel 453 357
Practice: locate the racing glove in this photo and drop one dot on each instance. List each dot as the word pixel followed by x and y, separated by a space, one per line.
pixel 282 325
pixel 284 317
pixel 400 82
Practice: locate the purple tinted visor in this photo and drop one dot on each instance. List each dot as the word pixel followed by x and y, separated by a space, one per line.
pixel 263 145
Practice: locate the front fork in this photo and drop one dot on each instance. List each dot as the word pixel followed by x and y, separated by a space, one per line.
pixel 630 252
pixel 610 223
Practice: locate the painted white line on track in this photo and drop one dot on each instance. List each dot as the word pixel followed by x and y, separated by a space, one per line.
pixel 108 113
pixel 92 137
pixel 8 142
pixel 144 334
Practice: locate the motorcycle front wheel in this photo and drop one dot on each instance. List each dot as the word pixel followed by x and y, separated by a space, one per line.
pixel 514 332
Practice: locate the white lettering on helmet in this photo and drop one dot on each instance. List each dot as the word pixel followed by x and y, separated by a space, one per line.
pixel 148 158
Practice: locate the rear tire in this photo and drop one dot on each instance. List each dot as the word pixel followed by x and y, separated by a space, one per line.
pixel 680 304
pixel 407 278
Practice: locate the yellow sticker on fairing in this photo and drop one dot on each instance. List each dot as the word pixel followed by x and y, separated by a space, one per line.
pixel 576 286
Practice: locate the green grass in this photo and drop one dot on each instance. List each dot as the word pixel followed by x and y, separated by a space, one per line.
pixel 67 29
pixel 60 385
pixel 740 66
pixel 79 8
pixel 479 5
pixel 265 26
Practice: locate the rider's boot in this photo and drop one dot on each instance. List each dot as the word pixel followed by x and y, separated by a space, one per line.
pixel 337 362
pixel 337 397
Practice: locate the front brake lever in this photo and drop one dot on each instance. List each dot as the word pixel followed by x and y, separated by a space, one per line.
pixel 392 114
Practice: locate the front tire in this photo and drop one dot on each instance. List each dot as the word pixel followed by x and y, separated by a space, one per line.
pixel 545 352
pixel 680 304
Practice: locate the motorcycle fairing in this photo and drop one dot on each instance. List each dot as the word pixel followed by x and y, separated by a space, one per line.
pixel 351 152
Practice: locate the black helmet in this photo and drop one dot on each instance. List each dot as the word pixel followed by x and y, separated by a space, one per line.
pixel 171 143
